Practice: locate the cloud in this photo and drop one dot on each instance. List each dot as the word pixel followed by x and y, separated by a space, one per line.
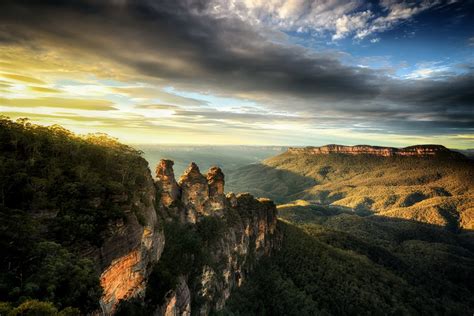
pixel 205 47
pixel 157 106
pixel 49 102
pixel 44 90
pixel 347 24
pixel 338 17
pixel 397 11
pixel 158 93
pixel 21 78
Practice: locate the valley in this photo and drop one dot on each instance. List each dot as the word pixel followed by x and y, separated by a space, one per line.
pixel 87 228
pixel 437 190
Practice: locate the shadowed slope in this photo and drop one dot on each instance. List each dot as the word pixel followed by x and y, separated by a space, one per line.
pixel 337 263
pixel 429 189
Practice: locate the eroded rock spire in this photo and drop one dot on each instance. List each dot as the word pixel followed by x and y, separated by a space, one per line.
pixel 194 192
pixel 215 180
pixel 170 190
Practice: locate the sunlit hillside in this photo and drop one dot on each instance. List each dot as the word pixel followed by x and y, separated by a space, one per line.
pixel 433 190
pixel 335 262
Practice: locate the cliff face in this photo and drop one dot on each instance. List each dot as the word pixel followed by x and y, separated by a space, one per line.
pixel 414 151
pixel 240 247
pixel 247 232
pixel 246 228
pixel 131 247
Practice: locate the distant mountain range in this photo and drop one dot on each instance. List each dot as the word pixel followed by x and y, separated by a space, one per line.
pixel 432 184
pixel 366 230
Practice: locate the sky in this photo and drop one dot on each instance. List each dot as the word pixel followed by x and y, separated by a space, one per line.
pixel 261 72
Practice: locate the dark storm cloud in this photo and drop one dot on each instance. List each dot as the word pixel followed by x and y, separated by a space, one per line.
pixel 192 50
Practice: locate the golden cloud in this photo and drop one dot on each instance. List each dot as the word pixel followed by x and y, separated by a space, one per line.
pixel 23 78
pixel 78 104
pixel 44 90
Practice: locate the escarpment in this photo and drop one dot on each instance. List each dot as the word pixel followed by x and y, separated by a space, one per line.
pixel 132 246
pixel 413 151
pixel 233 233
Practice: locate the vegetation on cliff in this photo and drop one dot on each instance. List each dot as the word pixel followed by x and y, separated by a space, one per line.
pixel 58 194
pixel 338 263
pixel 186 251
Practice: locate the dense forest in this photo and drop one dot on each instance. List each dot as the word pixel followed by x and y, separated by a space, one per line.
pixel 334 262
pixel 58 192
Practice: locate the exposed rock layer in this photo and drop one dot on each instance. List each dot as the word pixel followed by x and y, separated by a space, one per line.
pixel 418 150
pixel 126 256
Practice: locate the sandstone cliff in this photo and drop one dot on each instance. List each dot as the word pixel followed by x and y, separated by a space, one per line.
pixel 132 246
pixel 417 151
pixel 246 231
pixel 234 232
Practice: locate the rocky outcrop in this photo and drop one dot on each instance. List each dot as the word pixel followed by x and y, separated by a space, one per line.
pixel 246 229
pixel 166 182
pixel 247 232
pixel 414 151
pixel 198 195
pixel 127 254
pixel 239 249
pixel 194 192
pixel 215 181
pixel 178 301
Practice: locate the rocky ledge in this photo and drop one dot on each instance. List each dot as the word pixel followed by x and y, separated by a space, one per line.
pixel 413 151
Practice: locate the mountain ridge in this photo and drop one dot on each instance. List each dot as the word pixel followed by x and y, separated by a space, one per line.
pixel 437 189
pixel 382 151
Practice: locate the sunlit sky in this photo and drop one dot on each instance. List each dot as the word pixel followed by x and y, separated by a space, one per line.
pixel 273 72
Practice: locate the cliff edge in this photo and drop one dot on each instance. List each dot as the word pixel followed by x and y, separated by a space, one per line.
pixel 235 231
pixel 411 151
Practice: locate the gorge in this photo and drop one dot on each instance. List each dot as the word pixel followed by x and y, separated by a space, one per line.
pixel 85 229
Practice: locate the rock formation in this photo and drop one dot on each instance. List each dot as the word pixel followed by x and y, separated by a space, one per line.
pixel 215 180
pixel 126 256
pixel 166 182
pixel 178 301
pixel 200 195
pixel 417 151
pixel 248 233
pixel 241 246
pixel 194 192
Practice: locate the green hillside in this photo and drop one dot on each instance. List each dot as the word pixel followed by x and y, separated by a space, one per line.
pixel 432 190
pixel 334 262
pixel 58 194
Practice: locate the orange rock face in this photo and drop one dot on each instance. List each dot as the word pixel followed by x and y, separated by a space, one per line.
pixel 125 277
pixel 121 280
